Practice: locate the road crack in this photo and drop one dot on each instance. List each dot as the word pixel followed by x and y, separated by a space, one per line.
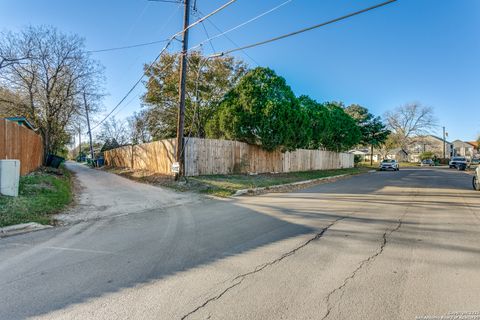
pixel 363 263
pixel 240 278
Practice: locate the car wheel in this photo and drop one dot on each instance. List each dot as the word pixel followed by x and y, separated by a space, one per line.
pixel 476 183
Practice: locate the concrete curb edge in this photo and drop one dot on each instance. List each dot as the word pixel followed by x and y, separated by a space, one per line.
pixel 253 191
pixel 22 228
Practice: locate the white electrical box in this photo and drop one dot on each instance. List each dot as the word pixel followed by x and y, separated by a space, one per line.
pixel 9 177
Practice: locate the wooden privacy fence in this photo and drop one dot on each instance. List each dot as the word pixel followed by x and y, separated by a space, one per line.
pixel 18 142
pixel 211 156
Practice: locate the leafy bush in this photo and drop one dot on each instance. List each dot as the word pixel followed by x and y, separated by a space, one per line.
pixel 426 155
pixel 357 159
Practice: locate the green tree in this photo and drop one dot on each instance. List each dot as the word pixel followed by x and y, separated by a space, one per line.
pixel 342 132
pixel 374 134
pixel 263 110
pixel 318 117
pixel 363 118
pixel 427 155
pixel 208 80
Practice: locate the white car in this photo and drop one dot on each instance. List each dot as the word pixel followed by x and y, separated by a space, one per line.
pixel 456 161
pixel 389 164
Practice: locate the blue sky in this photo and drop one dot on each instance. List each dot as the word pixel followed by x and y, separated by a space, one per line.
pixel 425 51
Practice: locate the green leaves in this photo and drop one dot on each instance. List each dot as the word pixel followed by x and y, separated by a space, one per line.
pixel 263 110
pixel 208 80
pixel 373 131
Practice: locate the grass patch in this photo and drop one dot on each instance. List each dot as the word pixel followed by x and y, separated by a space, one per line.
pixel 226 185
pixel 41 194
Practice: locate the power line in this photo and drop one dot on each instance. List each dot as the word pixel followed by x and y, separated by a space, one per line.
pixel 164 40
pixel 158 56
pixel 207 16
pixel 242 24
pixel 218 54
pixel 231 40
pixel 128 47
pixel 134 86
pixel 208 36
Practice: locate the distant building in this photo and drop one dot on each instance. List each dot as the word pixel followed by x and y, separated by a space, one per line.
pixel 429 143
pixel 465 149
pixel 397 154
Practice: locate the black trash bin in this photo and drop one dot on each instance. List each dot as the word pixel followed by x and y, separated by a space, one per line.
pixel 54 161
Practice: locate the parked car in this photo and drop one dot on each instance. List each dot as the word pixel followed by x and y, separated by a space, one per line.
pixel 476 179
pixel 458 162
pixel 427 163
pixel 475 161
pixel 389 164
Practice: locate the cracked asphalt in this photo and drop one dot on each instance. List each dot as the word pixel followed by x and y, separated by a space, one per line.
pixel 384 245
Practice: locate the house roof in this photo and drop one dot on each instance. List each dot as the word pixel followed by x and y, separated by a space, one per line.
pixel 473 143
pixel 21 121
pixel 438 138
pixel 359 151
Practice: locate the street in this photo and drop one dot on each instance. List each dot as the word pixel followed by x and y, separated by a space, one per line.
pixel 383 245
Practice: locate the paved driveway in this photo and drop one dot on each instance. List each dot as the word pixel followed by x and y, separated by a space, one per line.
pixel 103 194
pixel 386 245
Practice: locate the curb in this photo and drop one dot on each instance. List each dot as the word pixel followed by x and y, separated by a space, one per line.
pixel 22 228
pixel 254 191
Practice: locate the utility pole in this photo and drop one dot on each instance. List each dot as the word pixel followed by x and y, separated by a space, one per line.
pixel 88 125
pixel 79 141
pixel 444 143
pixel 183 75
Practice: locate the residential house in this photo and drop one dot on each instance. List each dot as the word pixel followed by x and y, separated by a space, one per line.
pixel 398 154
pixel 360 152
pixel 429 143
pixel 464 149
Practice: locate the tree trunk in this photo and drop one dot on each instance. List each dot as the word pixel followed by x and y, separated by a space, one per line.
pixel 371 155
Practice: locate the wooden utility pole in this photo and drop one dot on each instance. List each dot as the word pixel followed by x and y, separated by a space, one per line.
pixel 183 75
pixel 88 125
pixel 79 141
pixel 444 142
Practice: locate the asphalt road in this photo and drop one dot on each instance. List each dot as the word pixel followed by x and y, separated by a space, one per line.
pixel 385 245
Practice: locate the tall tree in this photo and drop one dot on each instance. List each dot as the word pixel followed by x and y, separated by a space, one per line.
pixel 208 80
pixel 262 109
pixel 137 127
pixel 410 120
pixel 50 81
pixel 374 134
pixel 318 116
pixel 342 132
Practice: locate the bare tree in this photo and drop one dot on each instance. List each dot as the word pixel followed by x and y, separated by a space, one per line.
pixel 410 120
pixel 114 131
pixel 138 129
pixel 54 72
pixel 10 53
